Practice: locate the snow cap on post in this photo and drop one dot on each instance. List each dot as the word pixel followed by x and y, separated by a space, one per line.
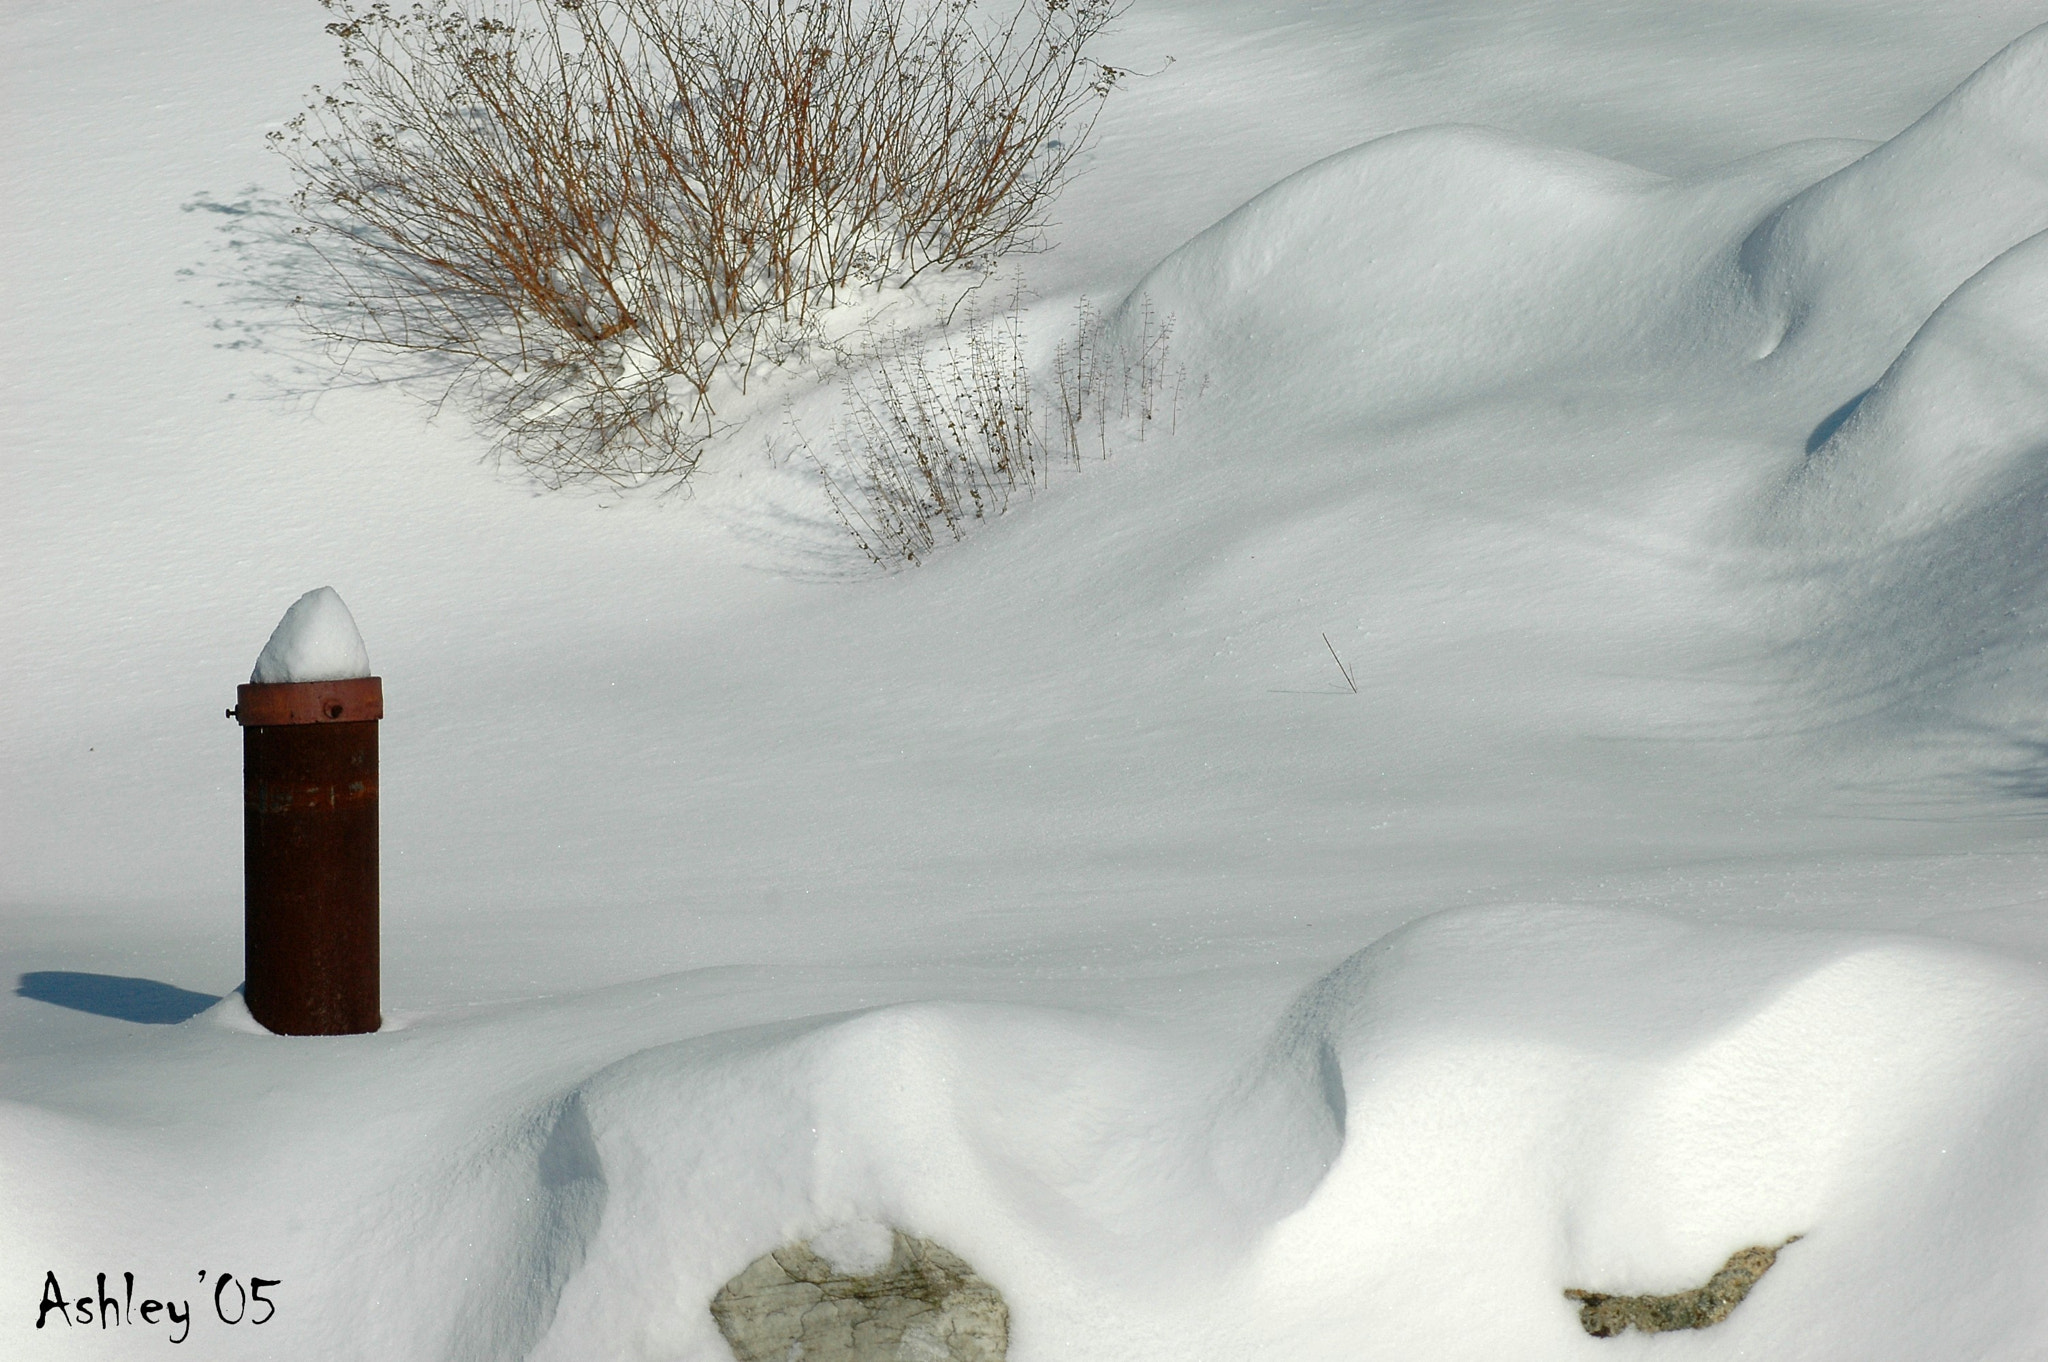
pixel 317 640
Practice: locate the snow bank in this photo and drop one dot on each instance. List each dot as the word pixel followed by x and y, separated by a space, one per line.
pixel 1541 1099
pixel 1959 421
pixel 317 640
pixel 1435 1140
pixel 1442 272
pixel 1432 265
pixel 1425 265
pixel 1924 517
pixel 1483 1109
pixel 1849 268
pixel 1435 267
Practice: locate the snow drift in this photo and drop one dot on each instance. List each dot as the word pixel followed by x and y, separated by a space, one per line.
pixel 1956 425
pixel 1922 503
pixel 1442 1135
pixel 1434 266
pixel 1447 260
pixel 1486 1107
pixel 1848 269
pixel 1888 299
pixel 1433 1143
pixel 1534 423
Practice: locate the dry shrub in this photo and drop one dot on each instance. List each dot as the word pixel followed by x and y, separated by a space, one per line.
pixel 608 213
pixel 1100 376
pixel 937 436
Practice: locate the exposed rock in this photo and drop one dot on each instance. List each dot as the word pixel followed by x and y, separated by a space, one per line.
pixel 1605 1316
pixel 923 1305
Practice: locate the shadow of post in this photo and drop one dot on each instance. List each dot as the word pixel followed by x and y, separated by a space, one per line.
pixel 111 995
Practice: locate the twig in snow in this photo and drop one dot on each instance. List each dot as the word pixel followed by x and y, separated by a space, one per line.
pixel 1349 679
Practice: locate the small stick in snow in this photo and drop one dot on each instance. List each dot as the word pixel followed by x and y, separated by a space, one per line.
pixel 1349 679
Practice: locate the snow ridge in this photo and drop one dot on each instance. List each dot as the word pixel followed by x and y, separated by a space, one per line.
pixel 1442 1134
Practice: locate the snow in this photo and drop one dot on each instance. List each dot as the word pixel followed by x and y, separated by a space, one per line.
pixel 1951 425
pixel 1497 1100
pixel 1645 401
pixel 856 1248
pixel 1855 263
pixel 317 640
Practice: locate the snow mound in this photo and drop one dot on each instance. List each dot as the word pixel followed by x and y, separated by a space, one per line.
pixel 1445 1133
pixel 1958 422
pixel 1542 1099
pixel 317 640
pixel 1924 520
pixel 1442 263
pixel 1850 267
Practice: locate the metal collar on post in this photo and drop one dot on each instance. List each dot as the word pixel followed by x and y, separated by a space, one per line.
pixel 309 854
pixel 310 702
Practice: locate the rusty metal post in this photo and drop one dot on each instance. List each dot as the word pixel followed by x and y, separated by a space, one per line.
pixel 309 854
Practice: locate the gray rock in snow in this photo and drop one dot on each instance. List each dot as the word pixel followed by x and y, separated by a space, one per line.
pixel 1604 1316
pixel 923 1305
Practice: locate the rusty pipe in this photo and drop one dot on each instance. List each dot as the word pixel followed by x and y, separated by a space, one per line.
pixel 309 855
